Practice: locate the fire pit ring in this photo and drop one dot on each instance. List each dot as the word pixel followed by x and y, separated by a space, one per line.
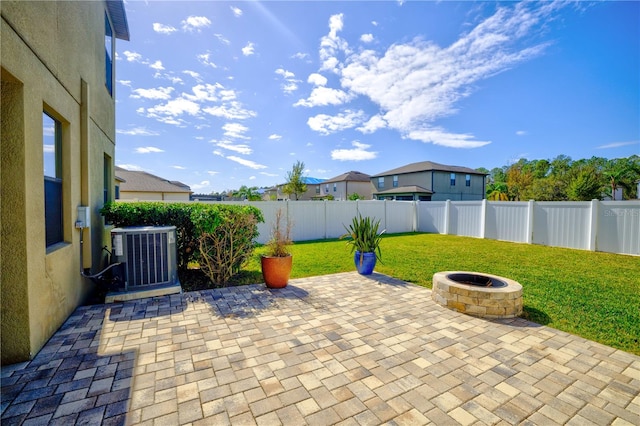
pixel 478 294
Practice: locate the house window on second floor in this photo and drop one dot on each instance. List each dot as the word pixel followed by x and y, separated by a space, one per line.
pixel 335 187
pixel 453 179
pixel 380 182
pixel 395 181
pixel 326 188
pixel 318 189
pixel 467 180
pixel 52 159
pixel 108 56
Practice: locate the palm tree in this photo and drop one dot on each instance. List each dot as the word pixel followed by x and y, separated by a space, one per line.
pixel 497 191
pixel 246 193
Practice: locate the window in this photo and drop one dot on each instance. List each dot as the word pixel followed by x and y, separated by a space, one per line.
pixel 380 182
pixel 326 188
pixel 106 186
pixel 453 179
pixel 108 56
pixel 318 189
pixel 52 160
pixel 395 181
pixel 467 180
pixel 335 187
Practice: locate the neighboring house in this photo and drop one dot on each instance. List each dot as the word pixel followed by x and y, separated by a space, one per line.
pixel 58 145
pixel 313 191
pixel 346 184
pixel 429 181
pixel 143 186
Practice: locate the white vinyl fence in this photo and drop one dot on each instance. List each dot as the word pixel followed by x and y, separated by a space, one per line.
pixel 609 226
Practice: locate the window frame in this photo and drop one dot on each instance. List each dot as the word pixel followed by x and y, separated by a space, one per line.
pixel 53 186
pixel 109 53
pixel 452 179
pixel 381 182
pixel 395 181
pixel 467 180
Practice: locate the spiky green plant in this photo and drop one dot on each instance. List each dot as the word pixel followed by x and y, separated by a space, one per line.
pixel 364 236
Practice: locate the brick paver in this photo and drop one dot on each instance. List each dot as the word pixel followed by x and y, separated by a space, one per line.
pixel 336 349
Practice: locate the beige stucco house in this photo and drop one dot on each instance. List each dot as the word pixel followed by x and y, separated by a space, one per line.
pixel 58 145
pixel 143 186
pixel 346 184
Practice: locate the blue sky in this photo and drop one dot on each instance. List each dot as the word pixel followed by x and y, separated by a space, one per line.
pixel 222 94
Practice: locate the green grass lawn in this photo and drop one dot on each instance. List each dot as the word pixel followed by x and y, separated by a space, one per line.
pixel 593 295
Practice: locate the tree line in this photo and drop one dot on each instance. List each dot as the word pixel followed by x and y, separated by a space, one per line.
pixel 564 179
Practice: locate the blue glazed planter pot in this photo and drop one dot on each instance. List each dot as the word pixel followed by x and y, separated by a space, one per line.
pixel 368 262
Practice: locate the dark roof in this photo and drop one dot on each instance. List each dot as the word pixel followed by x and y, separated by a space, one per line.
pixel 351 176
pixel 146 182
pixel 427 166
pixel 411 189
pixel 118 19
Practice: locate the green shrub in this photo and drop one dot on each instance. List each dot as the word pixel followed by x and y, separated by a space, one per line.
pixel 226 240
pixel 192 222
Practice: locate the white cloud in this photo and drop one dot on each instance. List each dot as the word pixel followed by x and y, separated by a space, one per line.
pixel 290 83
pixel 138 131
pixel 237 12
pixel 222 39
pixel 275 137
pixel 417 83
pixel 327 124
pixel 521 132
pixel 174 108
pixel 322 96
pixel 195 23
pixel 235 131
pixel 48 149
pixel 179 167
pixel 163 29
pixel 247 163
pixel 157 65
pixel 125 82
pixel 366 38
pixel 157 93
pixel 132 56
pixel 375 123
pixel 302 56
pixel 248 50
pixel 317 79
pixel 284 73
pixel 195 187
pixel 204 60
pixel 358 153
pixel 269 174
pixel 439 136
pixel 618 144
pixel 131 167
pixel 231 111
pixel 331 45
pixel 239 148
pixel 193 74
pixel 148 149
pixel 212 172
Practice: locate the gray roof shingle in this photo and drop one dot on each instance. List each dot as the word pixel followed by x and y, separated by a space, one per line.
pixel 426 166
pixel 146 182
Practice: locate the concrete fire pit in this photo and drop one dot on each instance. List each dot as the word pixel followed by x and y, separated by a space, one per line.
pixel 477 294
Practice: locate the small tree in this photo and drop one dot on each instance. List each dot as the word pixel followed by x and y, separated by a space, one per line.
pixel 295 181
pixel 250 194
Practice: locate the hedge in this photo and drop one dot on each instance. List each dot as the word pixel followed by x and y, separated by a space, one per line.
pixel 195 223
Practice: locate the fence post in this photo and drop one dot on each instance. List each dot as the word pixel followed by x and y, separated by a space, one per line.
pixel 447 211
pixel 593 222
pixel 483 218
pixel 530 213
pixel 415 216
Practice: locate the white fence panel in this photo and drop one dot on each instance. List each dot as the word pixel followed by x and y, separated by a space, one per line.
pixel 507 221
pixel 374 209
pixel 562 224
pixel 619 227
pixel 432 216
pixel 307 220
pixel 399 217
pixel 339 214
pixel 465 218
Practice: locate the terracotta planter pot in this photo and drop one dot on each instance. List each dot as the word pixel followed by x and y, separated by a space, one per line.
pixel 276 270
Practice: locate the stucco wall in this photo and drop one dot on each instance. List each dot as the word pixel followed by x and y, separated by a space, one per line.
pixel 53 53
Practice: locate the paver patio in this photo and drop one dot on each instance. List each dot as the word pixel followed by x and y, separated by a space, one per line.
pixel 335 349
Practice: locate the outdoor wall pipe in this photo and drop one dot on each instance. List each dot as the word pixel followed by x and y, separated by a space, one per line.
pixel 97 275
